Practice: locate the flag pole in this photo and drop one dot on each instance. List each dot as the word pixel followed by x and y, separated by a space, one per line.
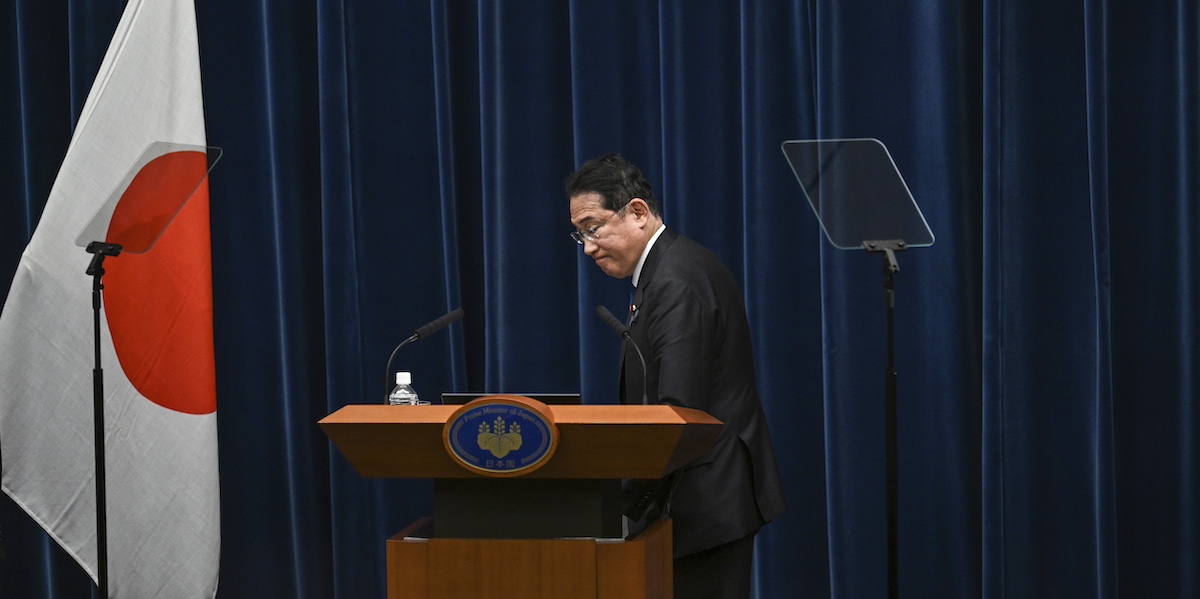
pixel 96 270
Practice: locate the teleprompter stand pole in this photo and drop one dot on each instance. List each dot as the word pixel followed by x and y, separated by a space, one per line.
pixel 99 251
pixel 891 267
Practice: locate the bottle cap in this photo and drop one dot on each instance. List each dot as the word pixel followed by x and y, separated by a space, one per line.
pixel 403 378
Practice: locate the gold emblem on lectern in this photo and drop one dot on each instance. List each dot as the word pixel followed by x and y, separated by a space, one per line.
pixel 501 435
pixel 499 438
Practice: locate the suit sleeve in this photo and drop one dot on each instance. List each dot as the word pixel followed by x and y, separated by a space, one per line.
pixel 681 340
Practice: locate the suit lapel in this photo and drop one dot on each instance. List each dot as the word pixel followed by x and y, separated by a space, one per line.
pixel 636 308
pixel 665 241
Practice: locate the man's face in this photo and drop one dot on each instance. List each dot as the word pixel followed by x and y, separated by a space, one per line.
pixel 619 238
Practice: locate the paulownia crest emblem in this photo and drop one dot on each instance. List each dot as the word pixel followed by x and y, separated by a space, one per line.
pixel 499 438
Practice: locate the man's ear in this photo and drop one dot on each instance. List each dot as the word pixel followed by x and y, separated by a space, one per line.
pixel 639 208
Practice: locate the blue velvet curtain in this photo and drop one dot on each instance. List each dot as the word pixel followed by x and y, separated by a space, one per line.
pixel 388 161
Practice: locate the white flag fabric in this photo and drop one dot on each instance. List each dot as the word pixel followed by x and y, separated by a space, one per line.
pixel 163 511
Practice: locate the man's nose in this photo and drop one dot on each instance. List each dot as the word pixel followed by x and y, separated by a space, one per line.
pixel 590 247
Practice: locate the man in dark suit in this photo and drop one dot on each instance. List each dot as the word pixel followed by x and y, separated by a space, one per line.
pixel 689 319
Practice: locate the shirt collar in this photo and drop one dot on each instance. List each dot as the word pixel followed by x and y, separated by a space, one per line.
pixel 637 272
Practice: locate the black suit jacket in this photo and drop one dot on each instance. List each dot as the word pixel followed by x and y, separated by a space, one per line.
pixel 689 319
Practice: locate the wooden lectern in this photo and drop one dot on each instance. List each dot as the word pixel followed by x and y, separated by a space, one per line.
pixel 553 532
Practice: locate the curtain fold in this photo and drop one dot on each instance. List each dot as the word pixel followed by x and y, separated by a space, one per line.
pixel 1153 140
pixel 385 163
pixel 1047 343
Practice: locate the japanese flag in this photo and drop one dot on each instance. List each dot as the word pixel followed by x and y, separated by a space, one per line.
pixel 137 155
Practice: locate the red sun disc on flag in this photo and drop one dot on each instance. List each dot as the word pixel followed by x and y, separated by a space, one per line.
pixel 158 304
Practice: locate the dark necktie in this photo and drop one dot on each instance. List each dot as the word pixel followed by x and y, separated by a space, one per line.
pixel 632 306
pixel 624 344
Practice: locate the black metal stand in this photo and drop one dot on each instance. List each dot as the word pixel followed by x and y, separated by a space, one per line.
pixel 96 271
pixel 891 267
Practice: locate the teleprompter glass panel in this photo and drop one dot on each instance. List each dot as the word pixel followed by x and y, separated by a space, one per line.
pixel 857 192
pixel 150 195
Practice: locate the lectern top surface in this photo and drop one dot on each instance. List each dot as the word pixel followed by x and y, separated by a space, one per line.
pixel 563 415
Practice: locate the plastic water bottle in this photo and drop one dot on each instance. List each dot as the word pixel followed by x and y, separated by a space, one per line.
pixel 403 394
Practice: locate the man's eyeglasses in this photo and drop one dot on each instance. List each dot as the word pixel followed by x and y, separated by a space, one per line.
pixel 592 233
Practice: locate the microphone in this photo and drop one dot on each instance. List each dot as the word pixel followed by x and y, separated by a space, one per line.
pixel 417 335
pixel 437 325
pixel 623 331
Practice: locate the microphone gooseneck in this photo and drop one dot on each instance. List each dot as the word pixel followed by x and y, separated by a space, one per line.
pixel 417 335
pixel 623 332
